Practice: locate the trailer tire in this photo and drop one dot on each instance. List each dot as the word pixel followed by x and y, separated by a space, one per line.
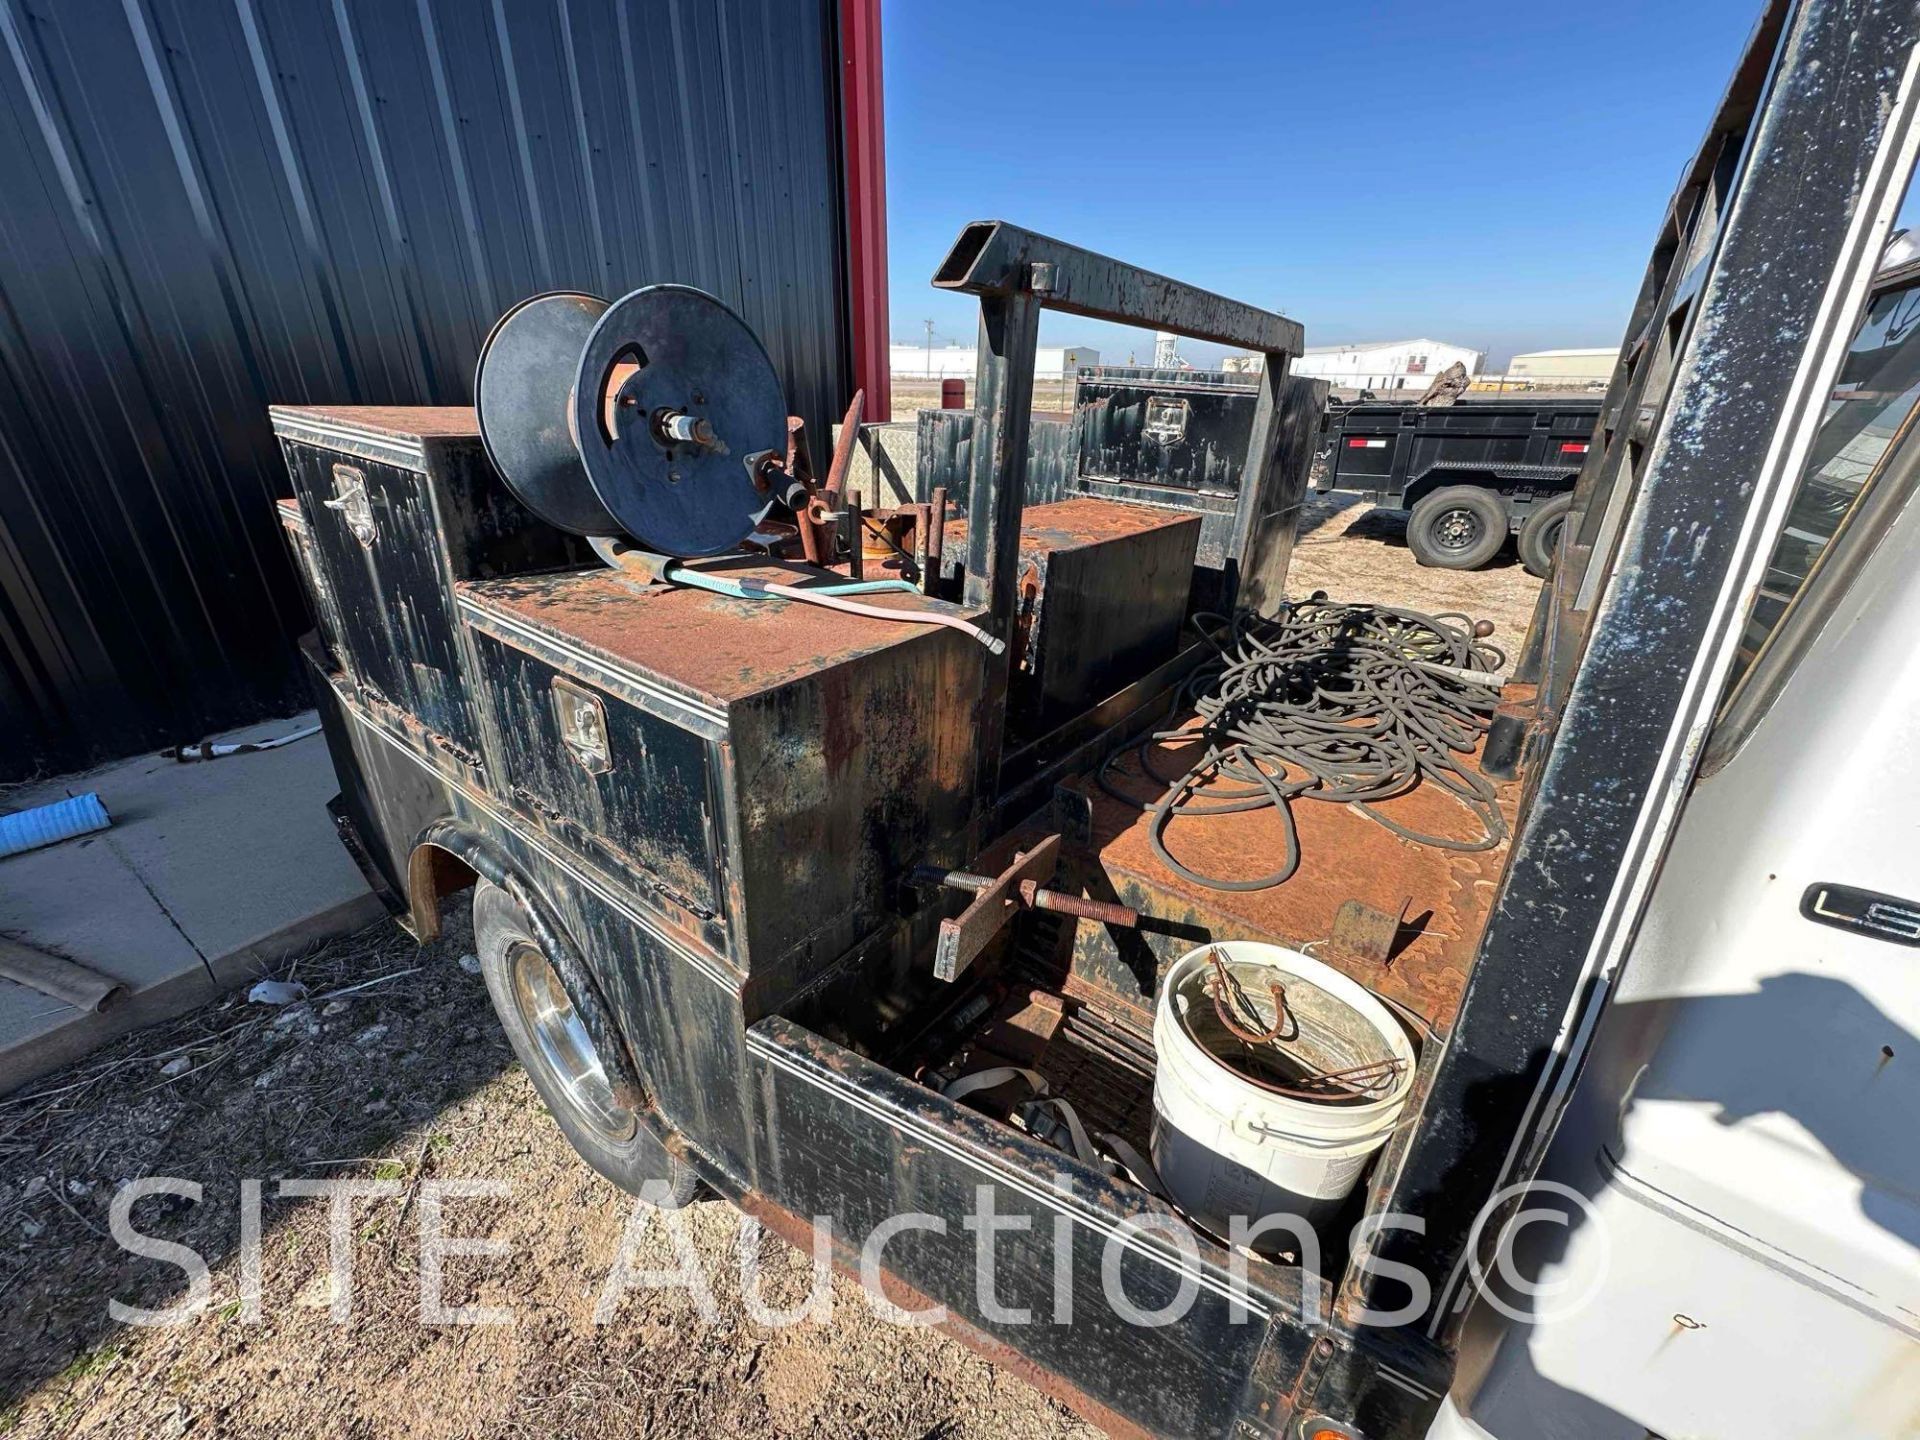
pixel 1540 535
pixel 543 1027
pixel 1461 527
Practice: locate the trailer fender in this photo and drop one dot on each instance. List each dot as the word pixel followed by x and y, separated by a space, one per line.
pixel 1521 490
pixel 1435 479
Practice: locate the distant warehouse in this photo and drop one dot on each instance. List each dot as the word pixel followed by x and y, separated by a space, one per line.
pixel 1385 365
pixel 940 363
pixel 1563 367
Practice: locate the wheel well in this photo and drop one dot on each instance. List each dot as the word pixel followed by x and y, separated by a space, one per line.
pixel 1472 479
pixel 433 873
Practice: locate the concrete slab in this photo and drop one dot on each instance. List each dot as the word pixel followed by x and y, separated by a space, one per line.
pixel 80 900
pixel 210 873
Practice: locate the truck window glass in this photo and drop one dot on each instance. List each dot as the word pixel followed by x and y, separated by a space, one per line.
pixel 1872 402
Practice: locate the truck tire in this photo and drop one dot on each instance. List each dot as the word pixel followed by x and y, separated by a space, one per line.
pixel 1540 534
pixel 1459 528
pixel 547 1036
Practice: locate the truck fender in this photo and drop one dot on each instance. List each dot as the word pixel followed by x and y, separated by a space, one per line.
pixel 431 864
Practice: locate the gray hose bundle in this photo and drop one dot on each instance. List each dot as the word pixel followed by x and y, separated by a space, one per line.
pixel 1350 704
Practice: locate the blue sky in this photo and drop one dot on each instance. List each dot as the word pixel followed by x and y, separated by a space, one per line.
pixel 1489 174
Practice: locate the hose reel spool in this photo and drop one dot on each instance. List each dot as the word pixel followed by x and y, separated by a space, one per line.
pixel 657 417
pixel 648 416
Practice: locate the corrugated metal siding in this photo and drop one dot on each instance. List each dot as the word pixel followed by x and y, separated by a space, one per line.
pixel 209 207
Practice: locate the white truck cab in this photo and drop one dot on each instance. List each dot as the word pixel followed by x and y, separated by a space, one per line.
pixel 1724 1237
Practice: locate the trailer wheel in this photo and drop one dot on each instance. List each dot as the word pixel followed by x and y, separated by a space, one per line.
pixel 1540 535
pixel 1459 528
pixel 547 1035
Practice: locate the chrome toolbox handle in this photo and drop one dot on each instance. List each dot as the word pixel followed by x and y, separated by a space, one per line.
pixel 351 500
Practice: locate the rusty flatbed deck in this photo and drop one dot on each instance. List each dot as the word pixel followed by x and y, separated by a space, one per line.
pixel 1447 894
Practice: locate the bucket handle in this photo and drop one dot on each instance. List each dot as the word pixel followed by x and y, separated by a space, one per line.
pixel 1250 1123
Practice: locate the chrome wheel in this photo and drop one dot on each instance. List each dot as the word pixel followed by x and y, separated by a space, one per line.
pixel 563 1047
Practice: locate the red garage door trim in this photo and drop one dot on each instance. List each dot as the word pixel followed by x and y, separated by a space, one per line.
pixel 862 118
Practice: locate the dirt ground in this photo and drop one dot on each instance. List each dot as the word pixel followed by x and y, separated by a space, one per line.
pixel 1354 552
pixel 394 1072
pixel 404 1081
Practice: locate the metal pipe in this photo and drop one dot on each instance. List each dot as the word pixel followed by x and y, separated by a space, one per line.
pixel 931 563
pixel 1033 895
pixel 810 547
pixel 843 450
pixel 922 518
pixel 937 531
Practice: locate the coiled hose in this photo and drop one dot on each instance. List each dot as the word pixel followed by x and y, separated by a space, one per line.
pixel 1351 704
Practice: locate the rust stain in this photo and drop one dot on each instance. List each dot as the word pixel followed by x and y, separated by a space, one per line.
pixel 712 647
pixel 840 731
pixel 401 422
pixel 1344 856
pixel 1076 524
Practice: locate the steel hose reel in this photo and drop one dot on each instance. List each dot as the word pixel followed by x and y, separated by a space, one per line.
pixel 651 417
pixel 655 426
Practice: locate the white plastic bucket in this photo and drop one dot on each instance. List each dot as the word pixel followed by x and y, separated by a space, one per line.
pixel 1227 1146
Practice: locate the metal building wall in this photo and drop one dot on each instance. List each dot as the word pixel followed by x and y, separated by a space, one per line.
pixel 207 207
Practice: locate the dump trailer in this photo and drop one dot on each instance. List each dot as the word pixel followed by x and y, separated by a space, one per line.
pixel 929 879
pixel 1471 473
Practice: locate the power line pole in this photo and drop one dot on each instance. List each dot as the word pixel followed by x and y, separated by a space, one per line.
pixel 929 349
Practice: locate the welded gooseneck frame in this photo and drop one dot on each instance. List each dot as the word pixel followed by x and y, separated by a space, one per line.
pixel 1017 274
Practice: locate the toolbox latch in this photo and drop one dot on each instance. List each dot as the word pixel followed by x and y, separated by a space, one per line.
pixel 350 499
pixel 583 726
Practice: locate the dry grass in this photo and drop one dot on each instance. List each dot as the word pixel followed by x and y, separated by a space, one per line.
pixel 1051 393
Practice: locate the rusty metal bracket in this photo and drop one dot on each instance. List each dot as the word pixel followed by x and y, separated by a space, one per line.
pixel 998 898
pixel 1363 936
pixel 963 937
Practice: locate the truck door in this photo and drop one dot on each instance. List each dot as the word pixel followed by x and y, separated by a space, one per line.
pixel 1689 1012
pixel 1742 1141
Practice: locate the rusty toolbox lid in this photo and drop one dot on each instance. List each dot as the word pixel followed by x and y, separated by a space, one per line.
pixel 393 434
pixel 1078 524
pixel 710 647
